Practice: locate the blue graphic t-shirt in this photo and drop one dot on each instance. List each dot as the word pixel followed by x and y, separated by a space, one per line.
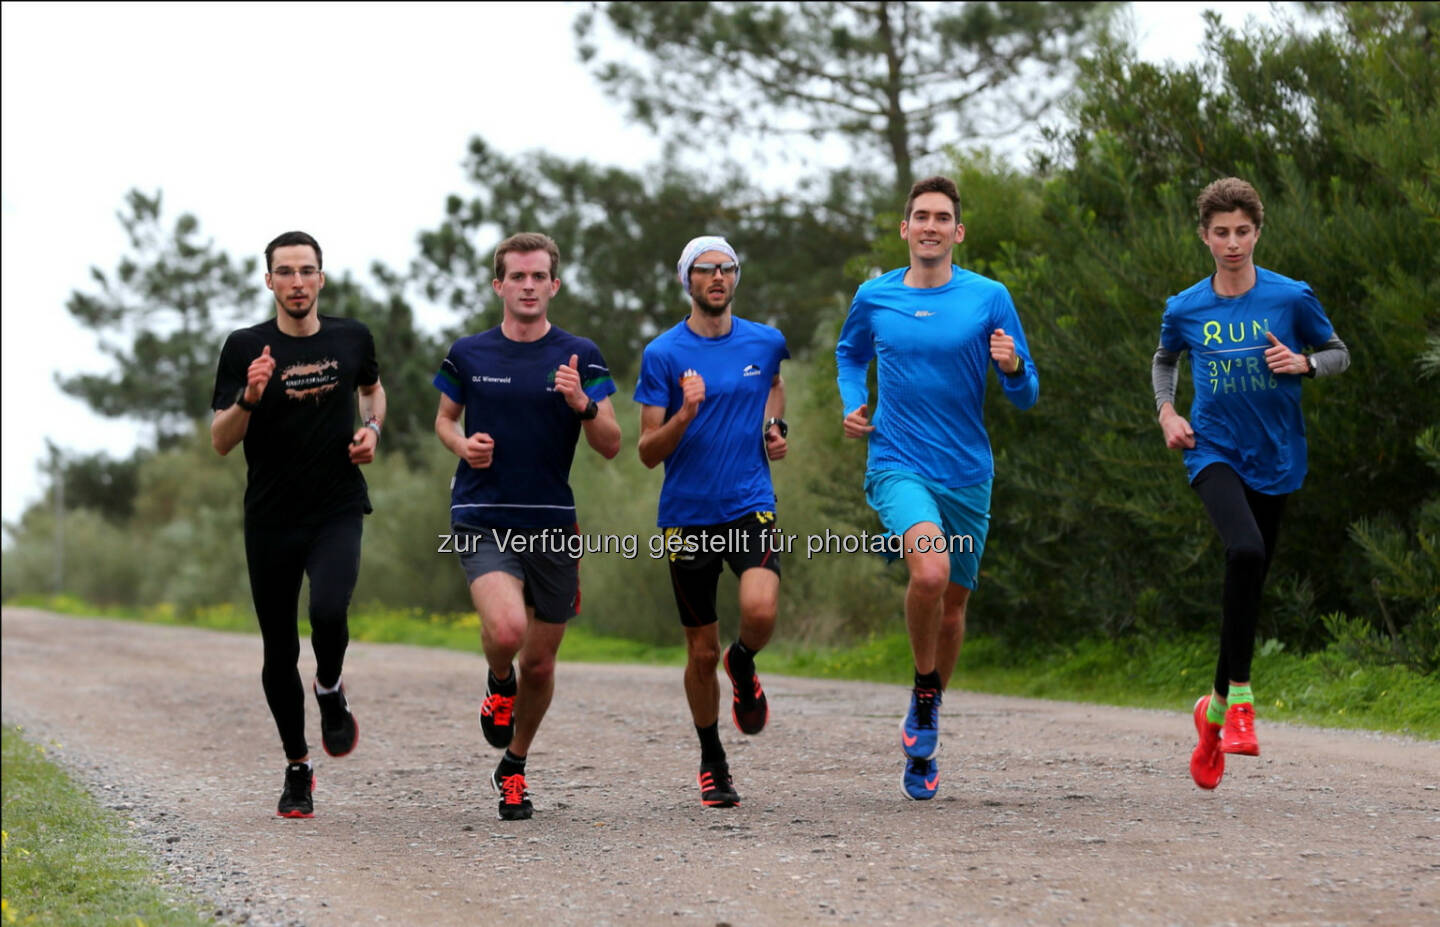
pixel 933 350
pixel 1244 415
pixel 508 391
pixel 718 472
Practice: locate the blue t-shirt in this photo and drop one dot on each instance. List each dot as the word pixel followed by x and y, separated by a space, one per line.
pixel 933 349
pixel 508 391
pixel 1244 415
pixel 718 472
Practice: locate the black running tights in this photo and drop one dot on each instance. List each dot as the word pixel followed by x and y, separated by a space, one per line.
pixel 278 557
pixel 1248 523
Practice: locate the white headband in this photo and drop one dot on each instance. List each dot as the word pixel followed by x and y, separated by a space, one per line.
pixel 699 246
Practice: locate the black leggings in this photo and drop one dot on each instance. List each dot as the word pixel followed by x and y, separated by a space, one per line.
pixel 278 557
pixel 1248 523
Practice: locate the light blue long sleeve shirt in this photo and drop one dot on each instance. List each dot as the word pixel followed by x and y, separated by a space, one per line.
pixel 933 351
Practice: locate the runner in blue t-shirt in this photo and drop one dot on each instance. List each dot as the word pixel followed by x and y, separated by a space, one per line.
pixel 935 330
pixel 711 404
pixel 526 390
pixel 1244 445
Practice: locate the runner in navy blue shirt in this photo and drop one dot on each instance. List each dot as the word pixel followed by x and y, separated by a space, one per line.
pixel 712 402
pixel 1244 444
pixel 526 389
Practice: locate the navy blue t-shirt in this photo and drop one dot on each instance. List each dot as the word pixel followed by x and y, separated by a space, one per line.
pixel 508 391
pixel 718 472
pixel 1244 415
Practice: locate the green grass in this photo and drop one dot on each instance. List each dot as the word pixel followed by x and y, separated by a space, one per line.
pixel 66 860
pixel 1324 688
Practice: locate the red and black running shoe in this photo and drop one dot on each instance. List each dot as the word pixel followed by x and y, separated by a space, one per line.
pixel 749 709
pixel 717 789
pixel 296 800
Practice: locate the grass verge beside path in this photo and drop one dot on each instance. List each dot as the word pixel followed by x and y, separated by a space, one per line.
pixel 66 859
pixel 1325 688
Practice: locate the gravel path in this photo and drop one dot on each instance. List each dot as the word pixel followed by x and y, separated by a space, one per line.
pixel 1048 812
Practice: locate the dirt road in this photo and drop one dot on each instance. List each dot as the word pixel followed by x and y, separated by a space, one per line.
pixel 1048 812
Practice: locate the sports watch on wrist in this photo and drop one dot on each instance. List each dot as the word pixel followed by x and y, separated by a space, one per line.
pixel 784 428
pixel 242 403
pixel 591 410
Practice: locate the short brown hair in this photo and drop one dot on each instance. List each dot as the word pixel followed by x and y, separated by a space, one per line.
pixel 525 242
pixel 1228 195
pixel 934 185
pixel 287 239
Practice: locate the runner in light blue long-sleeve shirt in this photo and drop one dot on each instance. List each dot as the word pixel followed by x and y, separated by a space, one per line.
pixel 934 330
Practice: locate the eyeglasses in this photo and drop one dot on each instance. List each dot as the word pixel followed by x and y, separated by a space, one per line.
pixel 285 273
pixel 704 267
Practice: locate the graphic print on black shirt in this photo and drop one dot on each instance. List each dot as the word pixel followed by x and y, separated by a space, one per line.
pixel 310 381
pixel 297 445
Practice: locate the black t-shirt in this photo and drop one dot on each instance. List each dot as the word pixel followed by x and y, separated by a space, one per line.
pixel 297 446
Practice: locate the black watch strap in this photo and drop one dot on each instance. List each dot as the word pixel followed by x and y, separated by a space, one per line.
pixel 780 422
pixel 247 406
pixel 592 409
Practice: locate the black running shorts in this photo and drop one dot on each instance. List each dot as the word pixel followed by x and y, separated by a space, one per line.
pixel 698 553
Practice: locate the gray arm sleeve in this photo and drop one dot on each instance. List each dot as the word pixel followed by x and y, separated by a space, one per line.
pixel 1330 358
pixel 1165 373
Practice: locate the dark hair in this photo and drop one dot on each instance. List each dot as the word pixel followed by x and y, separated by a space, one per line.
pixel 1228 195
pixel 934 185
pixel 522 243
pixel 293 238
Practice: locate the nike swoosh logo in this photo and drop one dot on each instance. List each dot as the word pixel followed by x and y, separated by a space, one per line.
pixel 907 740
pixel 930 784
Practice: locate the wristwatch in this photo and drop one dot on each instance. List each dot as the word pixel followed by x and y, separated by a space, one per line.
pixel 1019 366
pixel 784 428
pixel 247 406
pixel 1310 364
pixel 591 410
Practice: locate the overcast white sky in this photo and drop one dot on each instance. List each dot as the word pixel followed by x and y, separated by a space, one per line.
pixel 347 120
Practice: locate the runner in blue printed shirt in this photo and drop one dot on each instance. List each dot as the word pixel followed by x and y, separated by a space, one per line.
pixel 1244 443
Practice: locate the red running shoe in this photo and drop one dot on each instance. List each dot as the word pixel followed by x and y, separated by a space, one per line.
pixel 1207 762
pixel 1238 734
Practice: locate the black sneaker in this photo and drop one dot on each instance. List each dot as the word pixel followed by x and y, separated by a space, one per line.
pixel 749 709
pixel 717 789
pixel 496 713
pixel 338 730
pixel 295 800
pixel 514 799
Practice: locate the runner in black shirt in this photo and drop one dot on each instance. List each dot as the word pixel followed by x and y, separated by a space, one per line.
pixel 283 388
